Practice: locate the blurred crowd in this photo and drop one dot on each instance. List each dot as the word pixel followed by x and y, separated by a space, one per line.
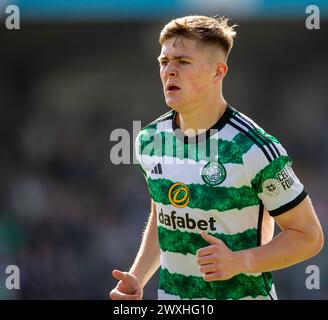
pixel 68 216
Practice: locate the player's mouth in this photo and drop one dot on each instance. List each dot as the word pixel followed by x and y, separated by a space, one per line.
pixel 172 88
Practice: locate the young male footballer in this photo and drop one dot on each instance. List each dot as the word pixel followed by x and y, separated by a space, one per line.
pixel 218 183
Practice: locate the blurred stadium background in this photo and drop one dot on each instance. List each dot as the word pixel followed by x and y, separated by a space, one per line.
pixel 75 71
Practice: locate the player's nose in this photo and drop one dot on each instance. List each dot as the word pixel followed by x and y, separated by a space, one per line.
pixel 173 73
pixel 170 71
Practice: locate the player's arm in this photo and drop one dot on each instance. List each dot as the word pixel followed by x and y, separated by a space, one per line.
pixel 148 257
pixel 131 284
pixel 300 239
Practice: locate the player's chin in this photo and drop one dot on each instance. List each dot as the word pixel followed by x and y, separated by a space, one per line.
pixel 173 103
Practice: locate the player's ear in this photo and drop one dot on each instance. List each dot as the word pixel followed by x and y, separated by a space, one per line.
pixel 221 71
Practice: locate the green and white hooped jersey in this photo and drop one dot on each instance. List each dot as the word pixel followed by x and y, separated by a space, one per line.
pixel 219 181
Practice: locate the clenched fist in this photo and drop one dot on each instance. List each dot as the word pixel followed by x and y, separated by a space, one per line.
pixel 217 261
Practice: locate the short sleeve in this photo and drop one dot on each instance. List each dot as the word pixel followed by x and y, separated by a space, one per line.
pixel 270 173
pixel 145 145
pixel 138 153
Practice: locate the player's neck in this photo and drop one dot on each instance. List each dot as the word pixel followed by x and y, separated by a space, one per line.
pixel 200 119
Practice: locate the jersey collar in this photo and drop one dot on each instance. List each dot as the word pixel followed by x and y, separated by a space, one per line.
pixel 205 135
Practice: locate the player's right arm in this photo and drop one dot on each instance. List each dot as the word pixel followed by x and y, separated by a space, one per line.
pixel 131 284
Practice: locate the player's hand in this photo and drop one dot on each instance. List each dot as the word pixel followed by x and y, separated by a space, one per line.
pixel 216 261
pixel 128 287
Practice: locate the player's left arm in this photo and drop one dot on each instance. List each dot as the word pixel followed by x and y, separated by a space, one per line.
pixel 301 238
pixel 301 235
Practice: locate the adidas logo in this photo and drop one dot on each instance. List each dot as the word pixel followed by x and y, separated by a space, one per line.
pixel 157 169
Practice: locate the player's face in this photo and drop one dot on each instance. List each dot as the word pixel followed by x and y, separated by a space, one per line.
pixel 187 73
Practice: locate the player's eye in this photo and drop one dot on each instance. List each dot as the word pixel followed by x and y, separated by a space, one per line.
pixel 184 62
pixel 163 62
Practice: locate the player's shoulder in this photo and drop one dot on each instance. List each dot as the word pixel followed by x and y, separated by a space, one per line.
pixel 153 129
pixel 252 134
pixel 250 126
pixel 158 124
